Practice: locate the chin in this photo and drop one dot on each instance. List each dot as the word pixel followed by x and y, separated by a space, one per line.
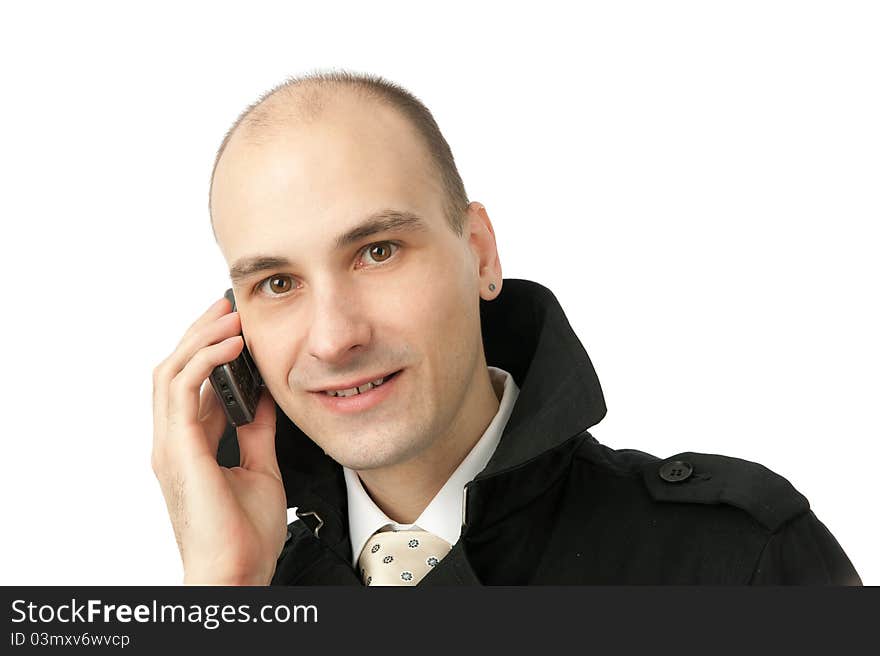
pixel 372 452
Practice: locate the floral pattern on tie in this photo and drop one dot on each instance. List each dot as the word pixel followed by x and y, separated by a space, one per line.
pixel 407 556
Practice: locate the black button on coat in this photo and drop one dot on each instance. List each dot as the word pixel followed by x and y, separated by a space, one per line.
pixel 555 507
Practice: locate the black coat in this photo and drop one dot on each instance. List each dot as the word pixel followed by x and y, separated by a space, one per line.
pixel 555 507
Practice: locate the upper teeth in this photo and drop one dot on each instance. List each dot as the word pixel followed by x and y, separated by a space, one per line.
pixel 356 390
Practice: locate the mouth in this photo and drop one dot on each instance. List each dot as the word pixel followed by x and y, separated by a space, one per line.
pixel 363 397
pixel 360 387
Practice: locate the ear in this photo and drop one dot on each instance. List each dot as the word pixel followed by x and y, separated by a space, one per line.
pixel 481 239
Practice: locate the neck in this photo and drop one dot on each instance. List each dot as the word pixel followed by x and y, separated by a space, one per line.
pixel 404 490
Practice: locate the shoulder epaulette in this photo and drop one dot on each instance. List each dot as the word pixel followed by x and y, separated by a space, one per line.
pixel 711 479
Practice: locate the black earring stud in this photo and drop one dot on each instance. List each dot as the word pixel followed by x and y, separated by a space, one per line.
pixel 491 286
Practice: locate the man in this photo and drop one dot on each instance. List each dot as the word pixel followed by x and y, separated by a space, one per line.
pixel 426 418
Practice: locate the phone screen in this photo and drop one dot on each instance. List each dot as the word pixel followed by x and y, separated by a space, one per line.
pixel 237 384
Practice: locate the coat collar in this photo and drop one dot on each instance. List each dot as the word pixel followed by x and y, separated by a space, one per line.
pixel 526 333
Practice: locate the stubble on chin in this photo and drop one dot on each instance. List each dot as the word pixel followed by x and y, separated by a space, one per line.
pixel 374 450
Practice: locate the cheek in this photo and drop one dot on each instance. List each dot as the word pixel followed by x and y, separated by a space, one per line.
pixel 442 292
pixel 419 300
pixel 271 348
pixel 449 327
pixel 438 309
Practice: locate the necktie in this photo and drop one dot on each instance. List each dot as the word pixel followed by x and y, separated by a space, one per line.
pixel 400 557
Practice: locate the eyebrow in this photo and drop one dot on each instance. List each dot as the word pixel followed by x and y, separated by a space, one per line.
pixel 382 221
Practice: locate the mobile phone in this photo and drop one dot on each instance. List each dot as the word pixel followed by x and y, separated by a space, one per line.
pixel 238 384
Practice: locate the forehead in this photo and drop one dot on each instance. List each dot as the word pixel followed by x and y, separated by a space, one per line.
pixel 320 175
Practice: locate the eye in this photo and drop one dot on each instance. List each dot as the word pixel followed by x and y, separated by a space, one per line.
pixel 277 289
pixel 381 251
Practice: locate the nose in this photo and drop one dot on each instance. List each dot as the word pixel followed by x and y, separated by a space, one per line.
pixel 338 327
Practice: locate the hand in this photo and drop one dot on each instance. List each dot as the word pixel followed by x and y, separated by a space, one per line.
pixel 230 523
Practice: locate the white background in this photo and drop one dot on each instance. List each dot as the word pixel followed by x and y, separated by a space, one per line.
pixel 697 182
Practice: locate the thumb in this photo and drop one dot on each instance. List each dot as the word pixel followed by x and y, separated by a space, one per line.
pixel 256 440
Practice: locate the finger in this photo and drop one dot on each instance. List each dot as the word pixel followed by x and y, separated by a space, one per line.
pixel 213 333
pixel 212 416
pixel 170 367
pixel 216 310
pixel 183 391
pixel 256 440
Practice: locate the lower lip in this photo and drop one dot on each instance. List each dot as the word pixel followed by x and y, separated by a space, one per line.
pixel 359 402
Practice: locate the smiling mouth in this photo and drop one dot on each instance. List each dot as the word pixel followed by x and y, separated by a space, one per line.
pixel 363 389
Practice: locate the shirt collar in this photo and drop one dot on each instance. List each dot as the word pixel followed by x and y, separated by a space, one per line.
pixel 442 516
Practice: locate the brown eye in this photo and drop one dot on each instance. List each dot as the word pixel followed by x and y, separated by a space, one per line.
pixel 281 287
pixel 278 285
pixel 381 251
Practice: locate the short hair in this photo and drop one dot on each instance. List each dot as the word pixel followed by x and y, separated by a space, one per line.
pixel 259 115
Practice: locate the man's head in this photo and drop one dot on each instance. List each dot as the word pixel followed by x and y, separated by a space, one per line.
pixel 303 99
pixel 298 175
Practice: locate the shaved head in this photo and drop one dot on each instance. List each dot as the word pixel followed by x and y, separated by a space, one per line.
pixel 305 100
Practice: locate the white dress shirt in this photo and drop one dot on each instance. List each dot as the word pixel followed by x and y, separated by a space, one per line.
pixel 442 516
